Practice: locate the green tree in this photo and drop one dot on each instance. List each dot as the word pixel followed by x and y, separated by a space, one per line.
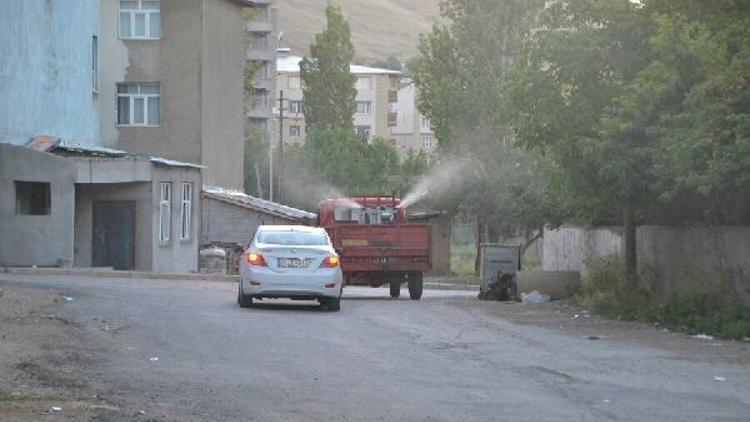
pixel 328 83
pixel 461 78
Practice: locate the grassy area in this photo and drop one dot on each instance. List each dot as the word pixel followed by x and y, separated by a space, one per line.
pixel 6 398
pixel 710 308
pixel 462 260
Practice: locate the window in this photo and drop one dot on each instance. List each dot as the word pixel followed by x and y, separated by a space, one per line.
pixel 138 104
pixel 165 212
pixel 364 84
pixel 425 123
pixel 427 141
pixel 364 107
pixel 186 209
pixel 294 82
pixel 94 63
pixel 295 107
pixel 363 131
pixel 33 198
pixel 140 20
pixel 295 131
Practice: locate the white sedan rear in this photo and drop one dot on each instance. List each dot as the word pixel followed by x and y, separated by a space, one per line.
pixel 295 262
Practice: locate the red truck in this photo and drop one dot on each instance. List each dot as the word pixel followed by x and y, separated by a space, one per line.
pixel 376 243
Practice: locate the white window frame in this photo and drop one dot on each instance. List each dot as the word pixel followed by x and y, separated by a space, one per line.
pixel 298 107
pixel 131 103
pixel 186 211
pixel 295 128
pixel 367 107
pixel 426 141
pixel 95 63
pixel 165 211
pixel 147 21
pixel 364 84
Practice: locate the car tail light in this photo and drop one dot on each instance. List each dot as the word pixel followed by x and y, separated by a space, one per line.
pixel 330 262
pixel 254 258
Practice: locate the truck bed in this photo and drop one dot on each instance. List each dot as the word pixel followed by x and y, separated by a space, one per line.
pixel 387 247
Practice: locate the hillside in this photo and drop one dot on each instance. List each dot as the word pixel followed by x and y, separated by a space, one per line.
pixel 379 27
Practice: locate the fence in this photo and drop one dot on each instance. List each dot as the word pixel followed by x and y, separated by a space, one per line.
pixel 678 254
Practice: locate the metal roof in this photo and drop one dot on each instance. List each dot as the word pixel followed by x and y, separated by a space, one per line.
pixel 290 64
pixel 95 150
pixel 261 205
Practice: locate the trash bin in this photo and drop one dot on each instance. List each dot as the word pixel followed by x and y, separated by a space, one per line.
pixel 497 271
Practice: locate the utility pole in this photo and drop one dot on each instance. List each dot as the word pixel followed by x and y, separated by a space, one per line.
pixel 281 144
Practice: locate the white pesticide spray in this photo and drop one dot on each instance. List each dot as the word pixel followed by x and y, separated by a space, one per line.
pixel 444 177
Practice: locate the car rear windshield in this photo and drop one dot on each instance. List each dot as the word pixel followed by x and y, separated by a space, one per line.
pixel 292 238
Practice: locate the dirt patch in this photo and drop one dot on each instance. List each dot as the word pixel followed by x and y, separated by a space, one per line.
pixel 43 359
pixel 575 321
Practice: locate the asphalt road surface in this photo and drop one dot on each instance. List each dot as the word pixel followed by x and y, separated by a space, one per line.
pixel 186 351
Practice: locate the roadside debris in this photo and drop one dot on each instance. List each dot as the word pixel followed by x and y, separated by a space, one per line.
pixel 703 337
pixel 594 338
pixel 154 359
pixel 69 298
pixel 56 408
pixel 534 297
pixel 719 379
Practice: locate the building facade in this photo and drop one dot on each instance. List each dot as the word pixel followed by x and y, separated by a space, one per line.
pixel 130 93
pixel 260 95
pixel 413 132
pixel 377 96
pixel 171 81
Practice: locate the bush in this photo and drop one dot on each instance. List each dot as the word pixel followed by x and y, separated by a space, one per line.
pixel 693 308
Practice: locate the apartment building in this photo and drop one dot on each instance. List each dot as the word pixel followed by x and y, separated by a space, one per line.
pixel 413 131
pixel 141 103
pixel 377 97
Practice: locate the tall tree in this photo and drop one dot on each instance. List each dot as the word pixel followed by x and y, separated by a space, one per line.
pixel 329 93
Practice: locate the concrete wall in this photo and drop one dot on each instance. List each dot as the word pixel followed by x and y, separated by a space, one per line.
pixel 441 245
pixel 176 256
pixel 88 194
pixel 175 62
pixel 45 69
pixel 44 240
pixel 222 73
pixel 679 255
pixel 227 223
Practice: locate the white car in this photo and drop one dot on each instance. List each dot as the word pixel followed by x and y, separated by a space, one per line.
pixel 296 262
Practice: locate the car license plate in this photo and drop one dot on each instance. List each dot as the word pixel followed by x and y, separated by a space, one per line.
pixel 294 262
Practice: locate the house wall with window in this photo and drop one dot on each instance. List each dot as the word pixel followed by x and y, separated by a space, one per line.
pixel 36 208
pixel 179 252
pixel 172 82
pixel 46 68
pixel 413 131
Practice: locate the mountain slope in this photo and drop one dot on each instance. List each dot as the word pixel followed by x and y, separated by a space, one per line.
pixel 379 27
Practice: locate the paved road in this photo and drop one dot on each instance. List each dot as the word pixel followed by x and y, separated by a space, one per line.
pixel 444 358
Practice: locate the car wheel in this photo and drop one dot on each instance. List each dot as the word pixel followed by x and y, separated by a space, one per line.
pixel 395 289
pixel 415 286
pixel 333 304
pixel 243 300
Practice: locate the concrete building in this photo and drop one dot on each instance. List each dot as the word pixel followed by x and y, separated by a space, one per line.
pixel 171 81
pixel 377 96
pixel 261 56
pixel 413 132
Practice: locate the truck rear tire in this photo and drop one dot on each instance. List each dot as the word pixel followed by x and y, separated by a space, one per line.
pixel 395 289
pixel 415 286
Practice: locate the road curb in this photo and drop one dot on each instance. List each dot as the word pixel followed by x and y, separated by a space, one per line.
pixel 83 272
